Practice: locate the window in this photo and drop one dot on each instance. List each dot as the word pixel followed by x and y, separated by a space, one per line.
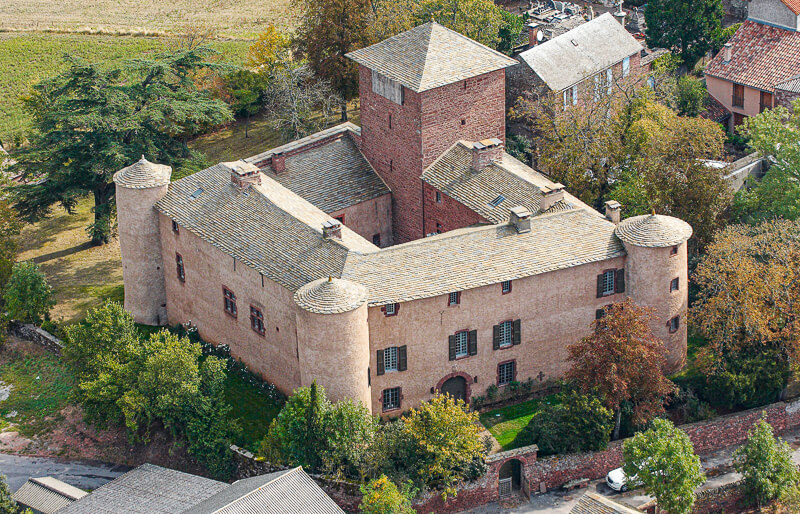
pixel 674 324
pixel 390 120
pixel 340 219
pixel 391 399
pixel 452 298
pixel 506 372
pixel 180 268
pixel 462 344
pixel 376 239
pixel 765 101
pixel 738 95
pixel 673 251
pixel 600 313
pixel 565 100
pixel 390 309
pixel 575 94
pixel 390 359
pixel 257 320
pixel 175 227
pixel 626 66
pixel 230 301
pixel 387 88
pixel 506 286
pixel 608 282
pixel 673 286
pixel 438 197
pixel 506 334
pixel 609 80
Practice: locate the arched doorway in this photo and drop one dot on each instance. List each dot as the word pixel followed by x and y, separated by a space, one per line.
pixel 455 387
pixel 510 477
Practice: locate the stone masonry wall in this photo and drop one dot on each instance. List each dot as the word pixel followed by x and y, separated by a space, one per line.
pixel 36 335
pixel 785 98
pixel 447 214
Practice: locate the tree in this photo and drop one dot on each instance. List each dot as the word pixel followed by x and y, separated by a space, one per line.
pixel 329 29
pixel 662 459
pixel 297 104
pixel 247 91
pixel 743 378
pixel 480 20
pixel 573 423
pixel 766 465
pixel 10 227
pixel 27 295
pixel 748 291
pixel 688 27
pixel 382 496
pixel 773 133
pixel 7 503
pixel 270 50
pixel 622 361
pixel 92 120
pixel 444 444
pixel 692 96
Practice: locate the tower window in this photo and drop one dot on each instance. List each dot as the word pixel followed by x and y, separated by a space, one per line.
pixel 180 268
pixel 673 251
pixel 257 320
pixel 673 285
pixel 674 324
pixel 230 301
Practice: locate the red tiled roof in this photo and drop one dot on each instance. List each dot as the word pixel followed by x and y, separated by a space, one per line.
pixel 762 56
pixel 714 110
pixel 794 5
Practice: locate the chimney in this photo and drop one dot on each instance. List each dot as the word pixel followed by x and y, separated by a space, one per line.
pixel 551 195
pixel 486 151
pixel 620 16
pixel 332 229
pixel 533 34
pixel 279 162
pixel 613 209
pixel 521 219
pixel 727 52
pixel 243 174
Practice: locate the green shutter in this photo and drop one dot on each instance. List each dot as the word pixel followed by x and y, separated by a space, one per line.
pixel 496 337
pixel 402 359
pixel 600 285
pixel 473 342
pixel 451 340
pixel 619 281
pixel 380 362
pixel 517 331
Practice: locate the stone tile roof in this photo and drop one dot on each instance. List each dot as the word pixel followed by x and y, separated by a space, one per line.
pixel 762 56
pixel 267 227
pixel 290 491
pixel 654 231
pixel 330 296
pixel 147 489
pixel 478 256
pixel 588 49
pixel 47 494
pixel 329 171
pixel 453 175
pixel 791 85
pixel 593 503
pixel 429 56
pixel 143 174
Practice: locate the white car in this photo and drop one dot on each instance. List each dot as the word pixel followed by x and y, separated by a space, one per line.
pixel 617 480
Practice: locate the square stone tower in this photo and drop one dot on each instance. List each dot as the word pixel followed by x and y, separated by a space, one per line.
pixel 420 92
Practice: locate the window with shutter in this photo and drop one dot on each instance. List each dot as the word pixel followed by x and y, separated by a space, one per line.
pixel 619 282
pixel 506 333
pixel 473 342
pixel 605 283
pixel 451 343
pixel 599 313
pixel 390 309
pixel 462 344
pixel 380 361
pixel 402 358
pixel 390 359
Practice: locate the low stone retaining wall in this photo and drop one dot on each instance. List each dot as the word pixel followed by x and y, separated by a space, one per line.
pixel 36 335
pixel 726 498
pixel 739 172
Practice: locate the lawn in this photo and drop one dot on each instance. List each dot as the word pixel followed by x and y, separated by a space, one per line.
pixel 28 58
pixel 506 422
pixel 231 17
pixel 41 386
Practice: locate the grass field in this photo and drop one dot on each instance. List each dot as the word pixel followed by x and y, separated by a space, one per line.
pixel 229 17
pixel 27 58
pixel 506 422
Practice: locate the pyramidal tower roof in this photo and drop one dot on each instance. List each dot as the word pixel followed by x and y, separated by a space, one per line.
pixel 331 296
pixel 143 174
pixel 429 56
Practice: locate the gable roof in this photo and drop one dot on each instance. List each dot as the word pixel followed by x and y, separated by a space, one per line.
pixel 593 503
pixel 47 494
pixel 761 56
pixel 148 489
pixel 794 5
pixel 581 53
pixel 429 56
pixel 791 85
pixel 326 168
pixel 276 493
pixel 267 227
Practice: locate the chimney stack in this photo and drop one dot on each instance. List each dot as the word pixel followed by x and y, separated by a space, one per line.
pixel 332 229
pixel 613 209
pixel 243 174
pixel 551 195
pixel 533 34
pixel 521 219
pixel 279 162
pixel 727 52
pixel 486 151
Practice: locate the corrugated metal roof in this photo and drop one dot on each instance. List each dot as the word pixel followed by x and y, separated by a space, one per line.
pixel 792 85
pixel 47 494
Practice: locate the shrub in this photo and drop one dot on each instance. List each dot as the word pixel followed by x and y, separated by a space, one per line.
pixel 27 295
pixel 686 407
pixel 574 423
pixel 750 378
pixel 691 96
pixel 766 464
pixel 382 496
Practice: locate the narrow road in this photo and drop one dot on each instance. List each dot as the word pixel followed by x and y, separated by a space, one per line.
pixel 82 474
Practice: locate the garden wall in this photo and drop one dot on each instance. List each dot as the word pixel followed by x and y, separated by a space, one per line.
pixel 36 335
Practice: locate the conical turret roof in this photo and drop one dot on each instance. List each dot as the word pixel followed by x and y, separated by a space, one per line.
pixel 331 296
pixel 653 231
pixel 143 174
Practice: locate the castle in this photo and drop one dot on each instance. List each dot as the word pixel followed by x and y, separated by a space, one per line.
pixel 408 256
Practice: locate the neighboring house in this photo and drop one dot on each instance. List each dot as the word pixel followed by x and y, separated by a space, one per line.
pixel 593 503
pixel 151 489
pixel 588 59
pixel 277 255
pixel 759 68
pixel 45 495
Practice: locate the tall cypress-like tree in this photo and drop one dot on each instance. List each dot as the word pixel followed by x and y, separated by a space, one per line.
pixel 92 120
pixel 687 27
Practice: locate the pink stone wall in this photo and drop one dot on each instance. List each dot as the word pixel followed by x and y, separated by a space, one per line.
pixel 199 300
pixel 555 309
pixel 722 90
pixel 448 213
pixel 370 218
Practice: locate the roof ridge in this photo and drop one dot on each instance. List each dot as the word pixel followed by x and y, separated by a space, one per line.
pixel 257 489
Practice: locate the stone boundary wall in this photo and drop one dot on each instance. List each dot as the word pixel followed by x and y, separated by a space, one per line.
pixel 36 335
pixel 738 172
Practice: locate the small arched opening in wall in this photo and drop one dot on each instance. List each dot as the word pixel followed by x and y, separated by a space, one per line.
pixel 456 385
pixel 510 477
